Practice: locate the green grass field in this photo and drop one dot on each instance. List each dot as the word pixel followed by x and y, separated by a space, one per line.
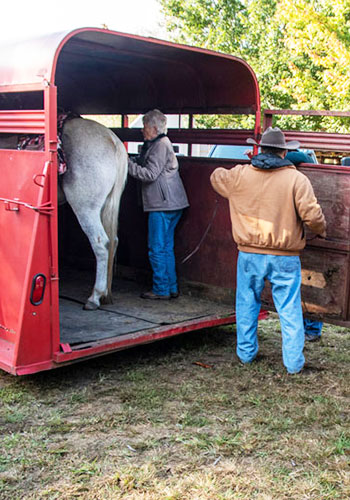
pixel 181 419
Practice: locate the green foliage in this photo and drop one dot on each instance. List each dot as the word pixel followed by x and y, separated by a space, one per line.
pixel 299 49
pixel 216 24
pixel 224 121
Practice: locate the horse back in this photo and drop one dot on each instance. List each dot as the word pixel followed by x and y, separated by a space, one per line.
pixel 87 137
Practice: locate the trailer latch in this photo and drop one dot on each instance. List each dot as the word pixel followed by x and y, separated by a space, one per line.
pixel 15 204
pixel 12 206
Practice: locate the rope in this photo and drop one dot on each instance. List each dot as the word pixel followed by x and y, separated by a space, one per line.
pixel 204 234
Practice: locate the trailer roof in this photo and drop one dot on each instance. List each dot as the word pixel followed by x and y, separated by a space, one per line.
pixel 101 71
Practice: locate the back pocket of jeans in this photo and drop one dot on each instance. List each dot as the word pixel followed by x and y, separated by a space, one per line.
pixel 289 264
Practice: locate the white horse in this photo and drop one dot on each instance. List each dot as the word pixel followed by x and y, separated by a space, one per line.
pixel 97 166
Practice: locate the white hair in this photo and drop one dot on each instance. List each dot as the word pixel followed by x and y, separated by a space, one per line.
pixel 157 119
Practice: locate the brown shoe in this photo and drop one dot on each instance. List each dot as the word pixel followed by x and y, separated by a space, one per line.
pixel 154 296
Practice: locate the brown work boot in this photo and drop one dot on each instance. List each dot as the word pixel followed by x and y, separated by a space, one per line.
pixel 154 296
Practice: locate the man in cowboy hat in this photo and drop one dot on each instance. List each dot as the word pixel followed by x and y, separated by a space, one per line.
pixel 269 202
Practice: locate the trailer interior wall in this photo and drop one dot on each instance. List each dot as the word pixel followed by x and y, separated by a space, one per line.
pixel 206 254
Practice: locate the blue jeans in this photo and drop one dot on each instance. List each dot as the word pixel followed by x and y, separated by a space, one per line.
pixel 161 227
pixel 284 274
pixel 312 327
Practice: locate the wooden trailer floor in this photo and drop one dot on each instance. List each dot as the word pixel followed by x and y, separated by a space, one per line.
pixel 129 313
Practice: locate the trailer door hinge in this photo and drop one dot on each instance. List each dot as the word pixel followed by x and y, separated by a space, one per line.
pixel 53 275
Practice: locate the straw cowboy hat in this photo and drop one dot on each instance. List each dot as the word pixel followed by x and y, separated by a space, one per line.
pixel 274 138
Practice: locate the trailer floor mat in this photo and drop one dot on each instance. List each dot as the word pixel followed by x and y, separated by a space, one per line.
pixel 128 313
pixel 79 326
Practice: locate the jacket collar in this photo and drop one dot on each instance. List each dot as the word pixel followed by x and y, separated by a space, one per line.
pixel 269 161
pixel 147 144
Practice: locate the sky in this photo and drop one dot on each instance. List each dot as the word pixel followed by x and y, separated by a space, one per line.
pixel 22 19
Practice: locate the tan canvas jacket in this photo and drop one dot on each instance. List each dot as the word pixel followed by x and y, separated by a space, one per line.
pixel 269 207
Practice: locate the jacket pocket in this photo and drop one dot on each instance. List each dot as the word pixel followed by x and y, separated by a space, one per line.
pixel 163 189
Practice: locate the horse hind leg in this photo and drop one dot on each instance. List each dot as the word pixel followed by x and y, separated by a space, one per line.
pixel 111 269
pixel 92 226
pixel 110 214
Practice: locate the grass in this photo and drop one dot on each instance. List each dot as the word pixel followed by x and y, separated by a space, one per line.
pixel 150 423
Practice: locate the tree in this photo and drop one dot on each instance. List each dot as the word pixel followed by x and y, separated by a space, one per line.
pixel 299 49
pixel 317 37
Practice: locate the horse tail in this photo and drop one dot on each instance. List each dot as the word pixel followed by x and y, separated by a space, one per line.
pixel 110 210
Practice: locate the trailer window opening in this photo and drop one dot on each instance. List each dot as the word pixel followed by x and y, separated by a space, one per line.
pixel 331 147
pixel 191 135
pixel 22 118
pixel 22 100
pixel 110 121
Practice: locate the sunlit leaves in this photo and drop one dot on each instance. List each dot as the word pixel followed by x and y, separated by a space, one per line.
pixel 319 50
pixel 299 49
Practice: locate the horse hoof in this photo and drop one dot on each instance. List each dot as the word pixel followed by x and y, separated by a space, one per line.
pixel 90 306
pixel 106 299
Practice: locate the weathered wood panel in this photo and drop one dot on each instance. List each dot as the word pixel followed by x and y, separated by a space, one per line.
pixel 326 262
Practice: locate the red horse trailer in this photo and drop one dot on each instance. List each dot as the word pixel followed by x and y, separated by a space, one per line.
pixel 47 266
